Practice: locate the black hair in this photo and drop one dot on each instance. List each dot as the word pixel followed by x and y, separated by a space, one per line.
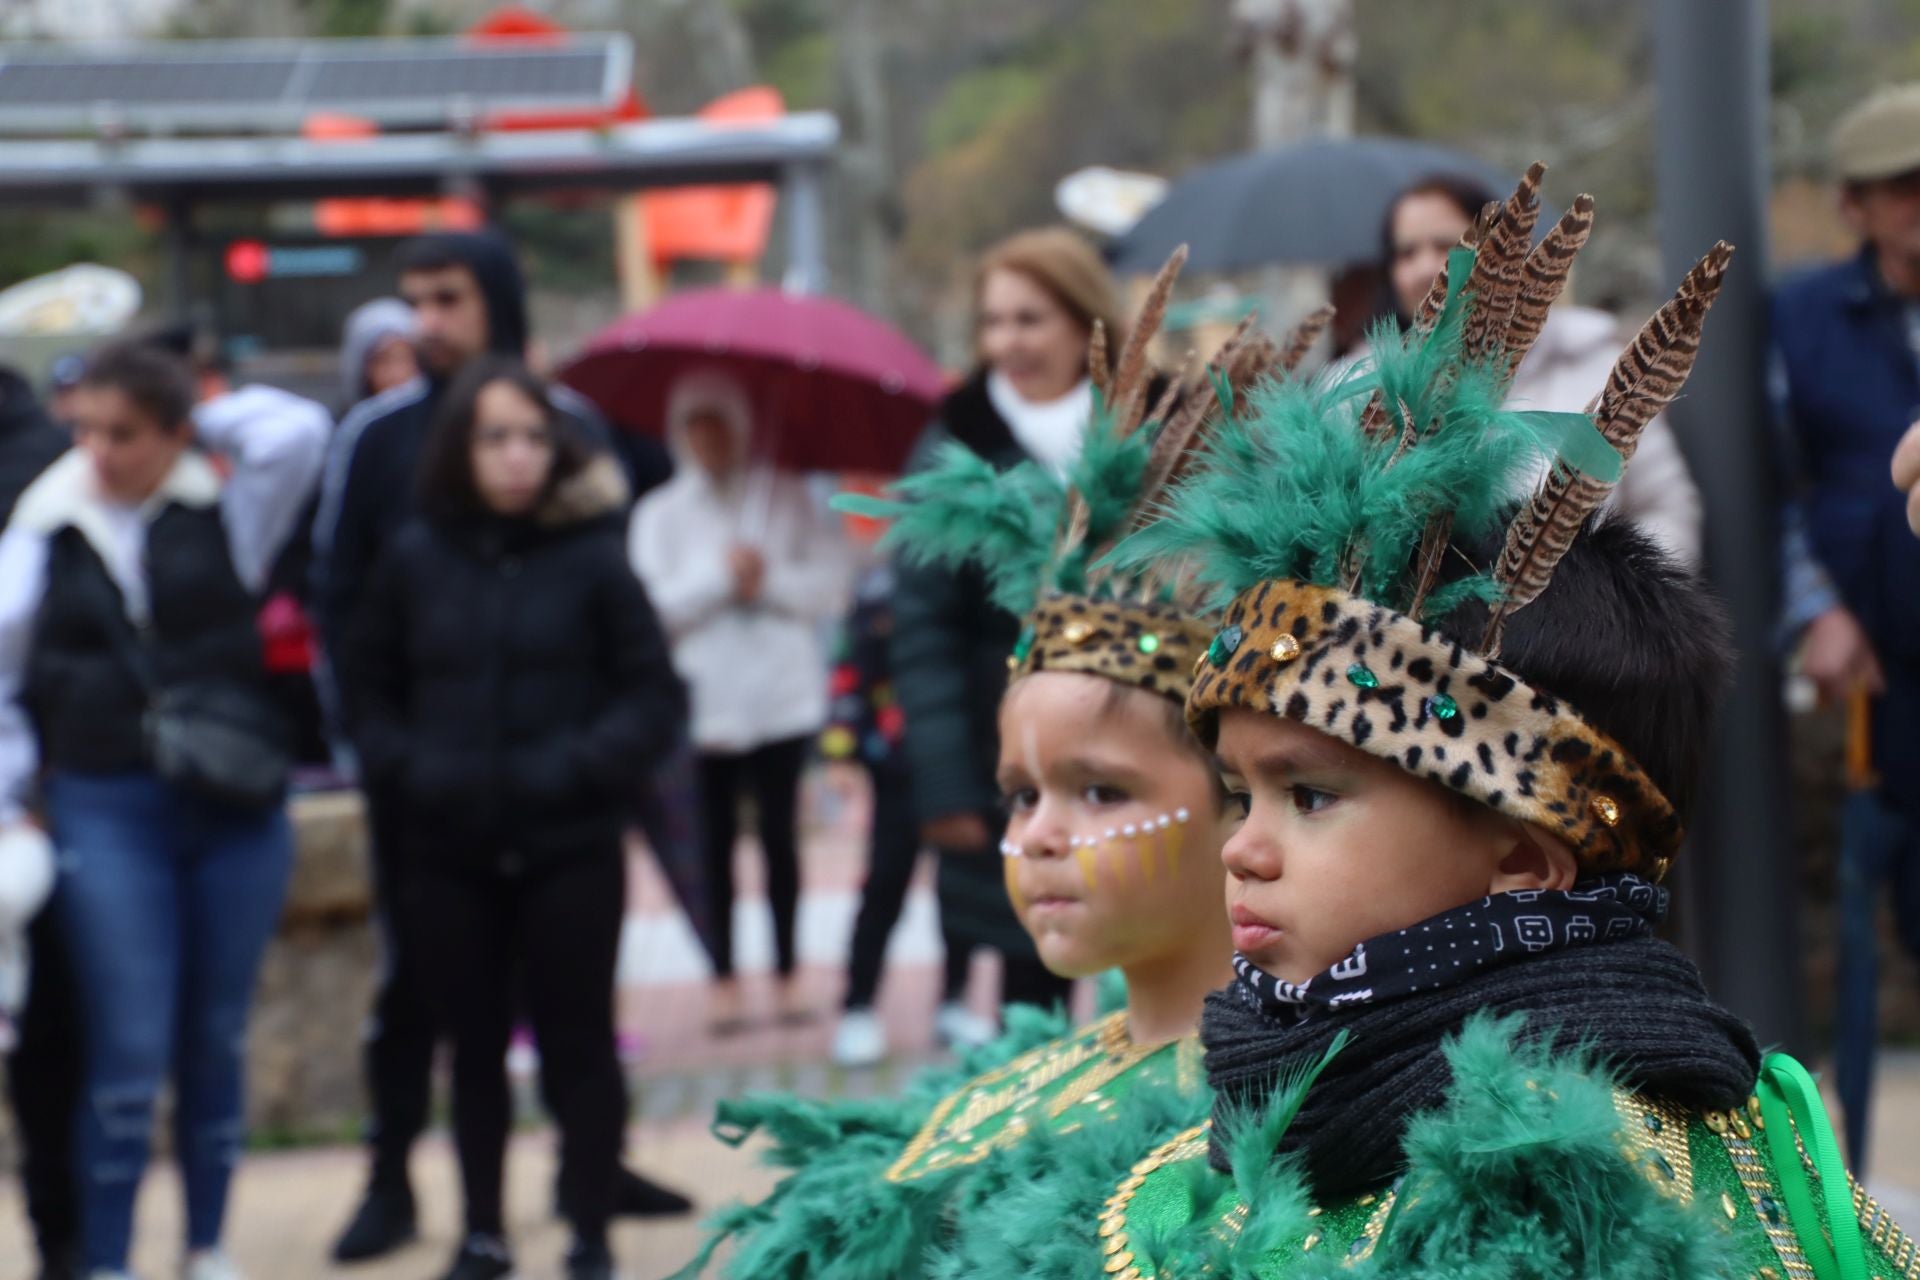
pixel 446 489
pixel 1173 719
pixel 1636 644
pixel 489 257
pixel 157 382
pixel 1466 193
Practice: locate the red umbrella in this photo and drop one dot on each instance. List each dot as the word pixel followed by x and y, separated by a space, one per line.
pixel 833 388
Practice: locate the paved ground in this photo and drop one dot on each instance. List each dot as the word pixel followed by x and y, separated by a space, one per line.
pixel 287 1205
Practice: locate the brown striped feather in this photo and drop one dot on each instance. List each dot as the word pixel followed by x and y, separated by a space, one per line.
pixel 1130 382
pixel 1643 380
pixel 1653 368
pixel 1496 271
pixel 1301 340
pixel 1543 276
pixel 1099 368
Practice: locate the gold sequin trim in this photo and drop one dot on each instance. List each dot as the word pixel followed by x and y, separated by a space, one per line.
pixel 1362 1249
pixel 1879 1227
pixel 1113 1220
pixel 1099 1055
pixel 1752 1172
pixel 1876 1224
pixel 1654 1137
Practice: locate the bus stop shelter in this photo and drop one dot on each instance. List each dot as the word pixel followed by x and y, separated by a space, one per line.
pixel 185 126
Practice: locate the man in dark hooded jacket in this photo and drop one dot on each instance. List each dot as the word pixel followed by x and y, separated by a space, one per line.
pixel 468 298
pixel 29 440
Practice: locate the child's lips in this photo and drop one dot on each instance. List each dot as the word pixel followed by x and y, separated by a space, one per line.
pixel 1252 932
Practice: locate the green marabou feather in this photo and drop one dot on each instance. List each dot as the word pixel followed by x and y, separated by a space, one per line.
pixel 963 510
pixel 1519 1176
pixel 1292 488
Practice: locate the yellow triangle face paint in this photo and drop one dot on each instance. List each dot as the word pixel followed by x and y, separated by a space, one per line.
pixel 1086 855
pixel 1175 835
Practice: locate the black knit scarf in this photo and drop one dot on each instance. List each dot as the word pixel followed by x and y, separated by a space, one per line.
pixel 1637 1003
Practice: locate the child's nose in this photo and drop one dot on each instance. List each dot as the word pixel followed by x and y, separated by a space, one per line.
pixel 1250 856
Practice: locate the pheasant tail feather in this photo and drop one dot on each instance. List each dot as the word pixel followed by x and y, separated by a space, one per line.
pixel 1130 382
pixel 1301 340
pixel 1543 277
pixel 1495 280
pixel 1651 371
pixel 1645 378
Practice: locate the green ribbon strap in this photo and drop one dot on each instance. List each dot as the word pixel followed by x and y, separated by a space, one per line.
pixel 1575 441
pixel 1829 1232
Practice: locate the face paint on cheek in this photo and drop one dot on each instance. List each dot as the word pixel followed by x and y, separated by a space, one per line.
pixel 1009 852
pixel 1088 857
pixel 1173 833
pixel 1140 849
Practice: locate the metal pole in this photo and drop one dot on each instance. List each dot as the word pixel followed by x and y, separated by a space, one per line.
pixel 1710 67
pixel 806 230
pixel 179 240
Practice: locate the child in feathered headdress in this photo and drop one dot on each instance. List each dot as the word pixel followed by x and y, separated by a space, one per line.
pixel 1465 746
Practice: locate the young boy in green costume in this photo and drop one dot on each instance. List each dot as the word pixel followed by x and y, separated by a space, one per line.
pixel 1466 749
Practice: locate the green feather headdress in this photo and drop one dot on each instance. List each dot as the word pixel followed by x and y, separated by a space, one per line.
pixel 1043 540
pixel 1325 512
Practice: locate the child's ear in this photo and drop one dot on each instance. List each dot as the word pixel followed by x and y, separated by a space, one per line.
pixel 1534 860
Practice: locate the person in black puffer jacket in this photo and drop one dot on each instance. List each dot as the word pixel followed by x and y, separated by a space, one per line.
pixel 511 687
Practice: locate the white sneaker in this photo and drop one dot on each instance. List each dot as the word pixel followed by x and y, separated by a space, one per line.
pixel 210 1264
pixel 859 1040
pixel 961 1028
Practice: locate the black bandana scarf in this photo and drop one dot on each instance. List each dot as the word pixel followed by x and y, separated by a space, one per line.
pixel 1458 945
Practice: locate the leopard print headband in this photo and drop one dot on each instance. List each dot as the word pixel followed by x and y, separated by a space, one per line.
pixel 1148 645
pixel 1383 683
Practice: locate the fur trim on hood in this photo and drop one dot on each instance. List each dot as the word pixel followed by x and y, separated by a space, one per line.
pixel 597 490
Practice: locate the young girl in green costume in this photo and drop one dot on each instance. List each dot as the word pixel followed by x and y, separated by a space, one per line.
pixel 1115 822
pixel 1466 746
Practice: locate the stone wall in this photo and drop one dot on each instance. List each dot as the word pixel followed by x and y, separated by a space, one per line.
pixel 303 1077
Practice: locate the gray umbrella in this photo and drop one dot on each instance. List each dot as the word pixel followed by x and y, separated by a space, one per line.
pixel 1316 202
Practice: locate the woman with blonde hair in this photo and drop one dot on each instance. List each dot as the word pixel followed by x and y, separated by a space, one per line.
pixel 1037 298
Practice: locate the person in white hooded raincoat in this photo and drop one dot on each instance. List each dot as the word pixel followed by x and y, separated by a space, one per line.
pixel 745 567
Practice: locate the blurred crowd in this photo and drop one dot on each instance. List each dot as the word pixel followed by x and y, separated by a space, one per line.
pixel 522 633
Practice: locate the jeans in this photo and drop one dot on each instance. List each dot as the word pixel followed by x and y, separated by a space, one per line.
pixel 557 931
pixel 166 901
pixel 1878 849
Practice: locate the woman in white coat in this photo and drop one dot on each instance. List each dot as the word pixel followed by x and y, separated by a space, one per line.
pixel 744 568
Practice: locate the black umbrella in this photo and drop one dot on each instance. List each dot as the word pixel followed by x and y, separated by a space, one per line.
pixel 1312 203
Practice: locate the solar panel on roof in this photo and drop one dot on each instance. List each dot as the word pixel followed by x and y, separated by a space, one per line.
pixel 187 86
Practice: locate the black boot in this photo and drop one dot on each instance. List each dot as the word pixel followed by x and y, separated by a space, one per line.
pixel 638 1197
pixel 590 1261
pixel 383 1222
pixel 481 1258
pixel 633 1197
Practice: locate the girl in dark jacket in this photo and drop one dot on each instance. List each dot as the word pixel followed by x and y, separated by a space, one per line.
pixel 514 684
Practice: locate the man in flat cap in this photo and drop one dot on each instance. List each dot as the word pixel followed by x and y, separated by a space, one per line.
pixel 1847 385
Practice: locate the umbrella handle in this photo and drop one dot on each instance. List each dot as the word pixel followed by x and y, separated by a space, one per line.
pixel 1861 775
